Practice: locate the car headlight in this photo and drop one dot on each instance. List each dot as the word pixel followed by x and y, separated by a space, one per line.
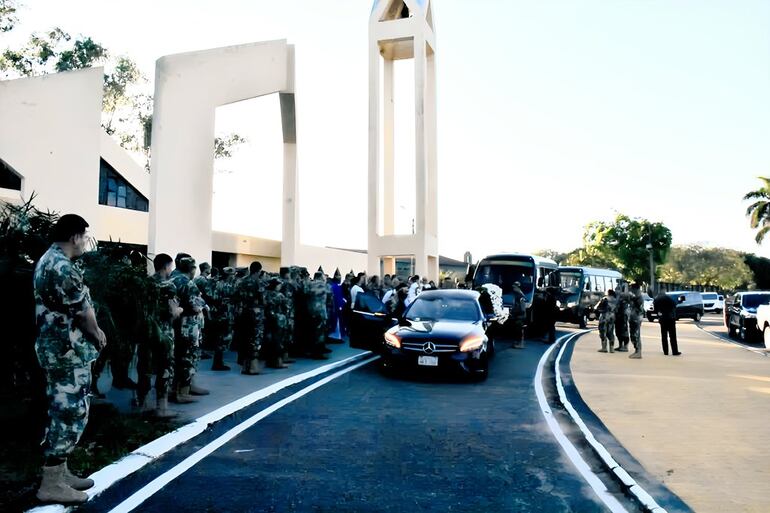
pixel 558 303
pixel 393 340
pixel 572 304
pixel 472 343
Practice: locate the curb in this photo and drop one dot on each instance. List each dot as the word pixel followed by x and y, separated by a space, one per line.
pixel 148 453
pixel 629 483
pixel 756 350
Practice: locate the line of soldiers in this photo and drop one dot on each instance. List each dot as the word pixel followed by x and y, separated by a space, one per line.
pixel 621 313
pixel 269 317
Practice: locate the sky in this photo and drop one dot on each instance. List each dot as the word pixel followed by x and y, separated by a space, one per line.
pixel 551 114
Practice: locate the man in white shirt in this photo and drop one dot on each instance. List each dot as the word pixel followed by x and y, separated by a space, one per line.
pixel 414 290
pixel 355 289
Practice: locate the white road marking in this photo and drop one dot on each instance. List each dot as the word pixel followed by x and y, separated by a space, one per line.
pixel 159 482
pixel 763 352
pixel 148 453
pixel 569 449
pixel 634 487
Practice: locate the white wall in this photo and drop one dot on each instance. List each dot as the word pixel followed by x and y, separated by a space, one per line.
pixel 51 134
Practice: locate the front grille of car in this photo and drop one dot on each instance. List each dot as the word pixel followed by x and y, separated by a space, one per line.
pixel 418 346
pixel 708 305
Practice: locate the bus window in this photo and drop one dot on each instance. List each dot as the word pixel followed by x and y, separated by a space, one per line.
pixel 599 287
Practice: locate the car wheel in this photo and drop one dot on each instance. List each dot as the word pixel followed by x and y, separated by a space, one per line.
pixel 697 317
pixel 742 332
pixel 491 346
pixel 482 372
pixel 730 330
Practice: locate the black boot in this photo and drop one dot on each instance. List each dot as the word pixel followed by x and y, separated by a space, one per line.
pixel 219 362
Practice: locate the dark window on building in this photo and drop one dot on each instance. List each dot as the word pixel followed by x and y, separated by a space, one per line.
pixel 9 178
pixel 115 191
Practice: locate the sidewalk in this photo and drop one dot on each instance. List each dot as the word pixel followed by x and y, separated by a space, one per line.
pixel 699 423
pixel 225 386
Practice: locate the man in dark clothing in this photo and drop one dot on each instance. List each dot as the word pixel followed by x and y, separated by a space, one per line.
pixel 665 306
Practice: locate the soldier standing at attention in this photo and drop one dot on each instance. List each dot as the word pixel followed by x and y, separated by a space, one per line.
pixel 315 293
pixel 606 310
pixel 275 326
pixel 187 343
pixel 289 290
pixel 635 316
pixel 205 283
pixel 621 317
pixel 251 321
pixel 69 340
pixel 162 344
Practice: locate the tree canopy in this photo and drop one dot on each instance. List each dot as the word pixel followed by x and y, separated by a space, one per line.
pixel 718 267
pixel 759 211
pixel 622 243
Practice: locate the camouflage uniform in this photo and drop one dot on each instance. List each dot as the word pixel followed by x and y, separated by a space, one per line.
pixel 225 294
pixel 289 290
pixel 606 311
pixel 273 347
pixel 206 286
pixel 62 349
pixel 315 293
pixel 162 340
pixel 188 331
pixel 635 316
pixel 250 323
pixel 621 320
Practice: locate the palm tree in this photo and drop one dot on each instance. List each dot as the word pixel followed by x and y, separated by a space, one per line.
pixel 759 211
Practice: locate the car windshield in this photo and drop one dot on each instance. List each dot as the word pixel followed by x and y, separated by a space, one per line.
pixel 504 275
pixel 570 281
pixel 709 296
pixel 439 308
pixel 754 300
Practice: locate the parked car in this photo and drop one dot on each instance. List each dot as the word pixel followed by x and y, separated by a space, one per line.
pixel 648 308
pixel 441 329
pixel 688 305
pixel 713 302
pixel 741 314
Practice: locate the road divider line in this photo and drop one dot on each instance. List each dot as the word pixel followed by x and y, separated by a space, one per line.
pixel 633 487
pixel 570 450
pixel 161 481
pixel 135 460
pixel 763 352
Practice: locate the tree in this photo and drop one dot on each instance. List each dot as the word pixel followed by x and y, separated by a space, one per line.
pixel 760 268
pixel 8 18
pixel 623 243
pixel 51 52
pixel 584 258
pixel 759 211
pixel 717 267
pixel 556 256
pixel 224 146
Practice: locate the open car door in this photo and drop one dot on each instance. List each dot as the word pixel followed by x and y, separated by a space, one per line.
pixel 369 322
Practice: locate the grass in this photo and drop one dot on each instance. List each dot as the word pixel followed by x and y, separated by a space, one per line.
pixel 109 436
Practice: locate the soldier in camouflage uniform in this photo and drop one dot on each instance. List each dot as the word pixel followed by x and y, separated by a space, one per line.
pixel 205 283
pixel 225 299
pixel 158 356
pixel 621 317
pixel 69 340
pixel 188 332
pixel 606 311
pixel 251 318
pixel 289 291
pixel 635 316
pixel 315 292
pixel 275 325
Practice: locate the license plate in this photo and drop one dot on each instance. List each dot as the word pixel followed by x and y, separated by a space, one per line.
pixel 430 361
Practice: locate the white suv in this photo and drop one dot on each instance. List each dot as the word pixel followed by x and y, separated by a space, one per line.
pixel 713 302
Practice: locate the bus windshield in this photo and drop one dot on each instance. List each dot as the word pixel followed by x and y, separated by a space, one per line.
pixel 570 281
pixel 504 275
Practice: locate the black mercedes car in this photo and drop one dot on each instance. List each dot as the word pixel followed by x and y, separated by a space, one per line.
pixel 441 329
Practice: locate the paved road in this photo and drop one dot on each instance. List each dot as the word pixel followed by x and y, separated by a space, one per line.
pixel 367 442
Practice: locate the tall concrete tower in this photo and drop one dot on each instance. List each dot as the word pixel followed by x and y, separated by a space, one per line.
pixel 402 29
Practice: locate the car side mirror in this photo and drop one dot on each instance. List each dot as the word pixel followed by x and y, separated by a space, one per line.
pixel 681 299
pixel 404 322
